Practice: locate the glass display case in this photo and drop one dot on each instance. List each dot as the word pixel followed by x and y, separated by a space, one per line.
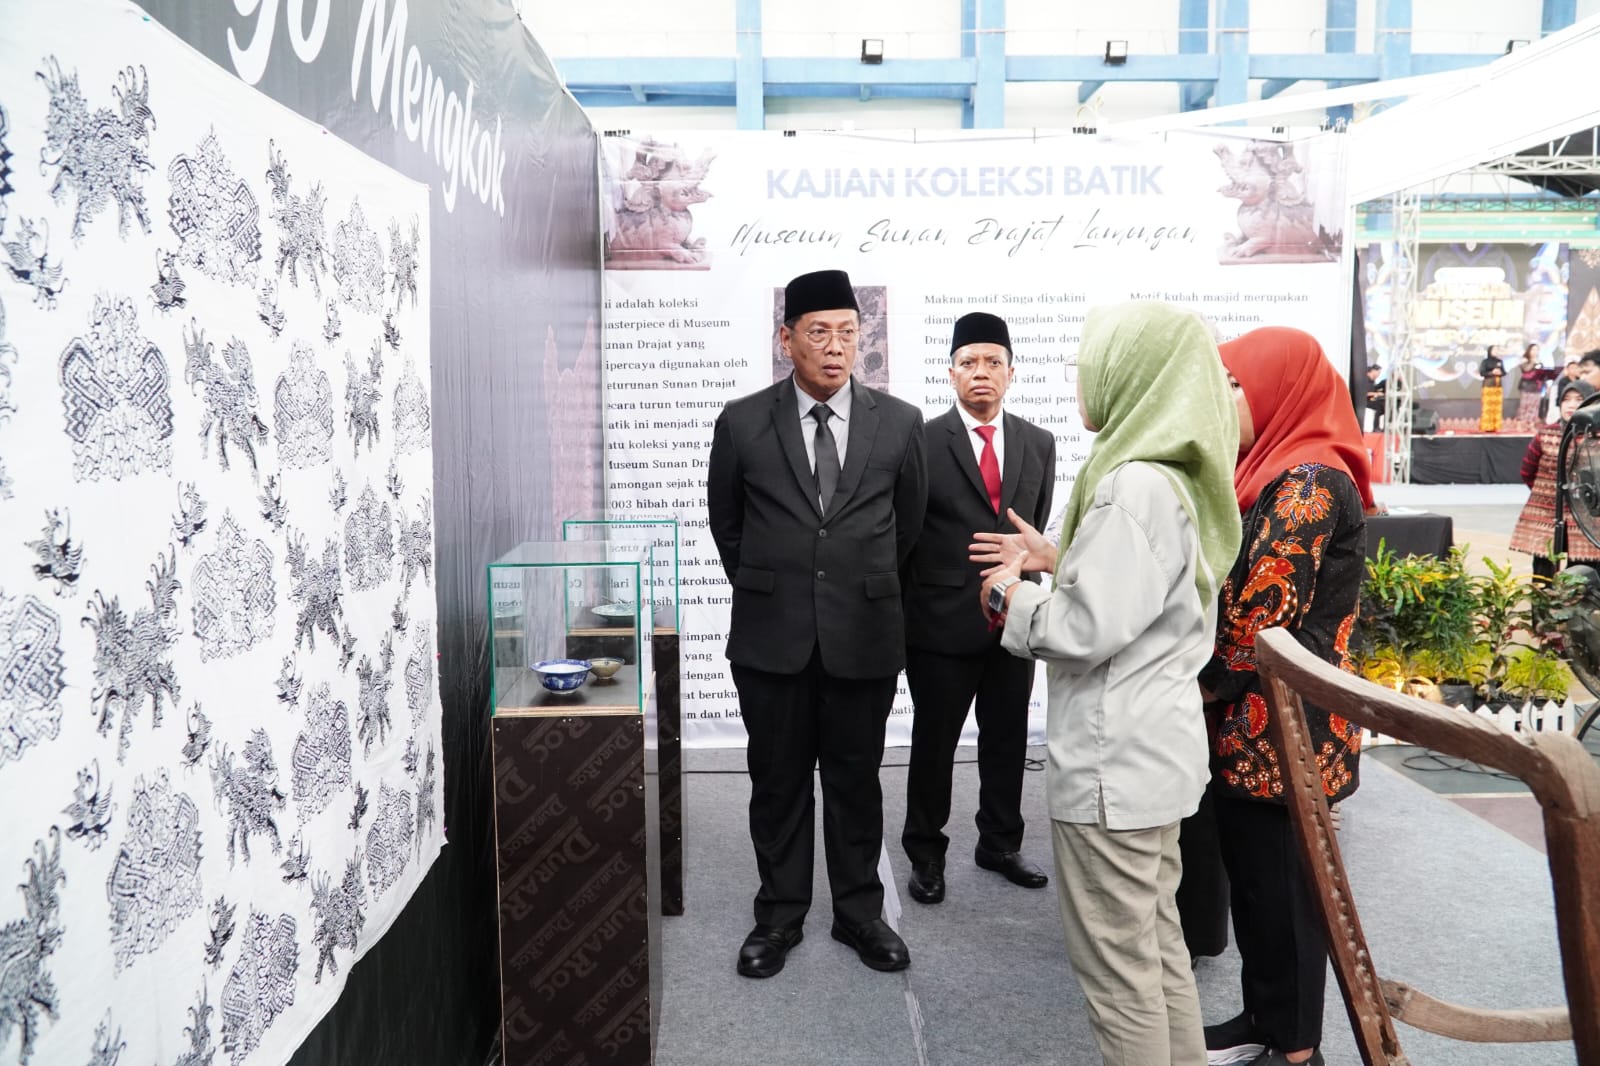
pixel 660 535
pixel 567 628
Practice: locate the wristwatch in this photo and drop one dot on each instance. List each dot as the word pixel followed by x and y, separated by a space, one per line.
pixel 997 594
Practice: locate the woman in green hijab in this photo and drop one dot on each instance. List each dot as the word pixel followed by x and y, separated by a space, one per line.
pixel 1151 527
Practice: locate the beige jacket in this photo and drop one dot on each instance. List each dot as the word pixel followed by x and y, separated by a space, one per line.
pixel 1124 636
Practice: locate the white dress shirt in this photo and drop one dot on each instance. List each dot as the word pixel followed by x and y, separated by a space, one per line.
pixel 839 424
pixel 976 441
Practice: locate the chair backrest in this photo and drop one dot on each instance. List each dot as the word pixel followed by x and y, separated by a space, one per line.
pixel 1563 779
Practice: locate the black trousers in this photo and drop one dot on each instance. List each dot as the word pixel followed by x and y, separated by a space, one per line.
pixel 943 687
pixel 798 723
pixel 1275 924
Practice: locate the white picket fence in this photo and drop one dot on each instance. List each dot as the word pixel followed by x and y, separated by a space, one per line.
pixel 1528 718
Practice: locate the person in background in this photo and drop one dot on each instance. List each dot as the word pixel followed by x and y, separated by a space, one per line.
pixel 1589 368
pixel 1377 397
pixel 1303 488
pixel 1530 384
pixel 1149 528
pixel 1572 371
pixel 982 462
pixel 1537 522
pixel 1493 372
pixel 815 492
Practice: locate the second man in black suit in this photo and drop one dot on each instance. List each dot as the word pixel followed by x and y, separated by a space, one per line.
pixel 981 462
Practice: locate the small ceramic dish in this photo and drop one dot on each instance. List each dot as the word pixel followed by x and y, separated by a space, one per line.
pixel 562 675
pixel 604 667
pixel 615 614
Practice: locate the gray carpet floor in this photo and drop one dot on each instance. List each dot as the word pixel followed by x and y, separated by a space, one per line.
pixel 1449 902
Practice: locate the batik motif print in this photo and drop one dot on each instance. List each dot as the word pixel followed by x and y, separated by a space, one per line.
pixel 214 214
pixel 222 930
pixel 358 262
pixel 155 882
pixel 199 741
pixel 267 309
pixel 108 1044
pixel 230 396
pixel 273 507
pixel 338 912
pixel 26 257
pixel 317 590
pixel 190 521
pixel 426 810
pixel 90 811
pixel 302 238
pixel 8 355
pixel 374 700
pixel 99 156
pixel 361 395
pixel 389 839
pixel 413 423
pixel 302 412
pixel 297 864
pixel 28 990
pixel 416 544
pixel 200 1051
pixel 369 542
pixel 6 188
pixel 338 492
pixel 58 559
pixel 320 764
pixel 399 615
pixel 288 684
pixel 393 481
pixel 419 673
pixel 132 656
pixel 1301 570
pixel 261 985
pixel 31 678
pixel 166 292
pixel 403 256
pixel 249 790
pixel 332 327
pixel 116 397
pixel 234 595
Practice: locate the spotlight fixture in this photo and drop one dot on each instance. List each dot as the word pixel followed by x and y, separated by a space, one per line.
pixel 871 50
pixel 1515 43
pixel 1116 53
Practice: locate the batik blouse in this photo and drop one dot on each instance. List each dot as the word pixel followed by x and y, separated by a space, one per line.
pixel 1301 567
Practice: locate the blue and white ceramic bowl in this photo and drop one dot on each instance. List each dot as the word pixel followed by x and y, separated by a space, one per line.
pixel 562 675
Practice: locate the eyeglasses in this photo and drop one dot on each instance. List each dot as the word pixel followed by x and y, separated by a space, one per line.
pixel 817 336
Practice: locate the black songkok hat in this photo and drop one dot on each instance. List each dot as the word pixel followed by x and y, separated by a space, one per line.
pixel 980 327
pixel 821 290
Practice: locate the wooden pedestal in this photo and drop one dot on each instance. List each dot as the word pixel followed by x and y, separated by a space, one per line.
pixel 576 835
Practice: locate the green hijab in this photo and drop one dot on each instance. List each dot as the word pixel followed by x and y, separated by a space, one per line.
pixel 1151 379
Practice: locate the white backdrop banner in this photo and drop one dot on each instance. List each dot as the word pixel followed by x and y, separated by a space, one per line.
pixel 219 723
pixel 705 229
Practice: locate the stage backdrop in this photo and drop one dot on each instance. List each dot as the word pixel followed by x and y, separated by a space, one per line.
pixel 704 229
pixel 219 719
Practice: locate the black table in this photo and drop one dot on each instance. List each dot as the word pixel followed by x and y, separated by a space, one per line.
pixel 1470 459
pixel 1411 534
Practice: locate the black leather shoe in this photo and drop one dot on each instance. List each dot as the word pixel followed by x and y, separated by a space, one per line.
pixel 765 949
pixel 1012 866
pixel 879 946
pixel 927 882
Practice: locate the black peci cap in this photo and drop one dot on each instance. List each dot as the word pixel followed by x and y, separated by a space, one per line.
pixel 979 327
pixel 821 290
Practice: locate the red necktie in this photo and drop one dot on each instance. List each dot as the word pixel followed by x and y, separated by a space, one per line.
pixel 989 466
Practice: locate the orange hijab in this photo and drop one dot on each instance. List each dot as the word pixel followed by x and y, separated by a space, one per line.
pixel 1301 410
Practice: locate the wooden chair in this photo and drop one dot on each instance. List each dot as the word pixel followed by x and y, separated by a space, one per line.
pixel 1564 780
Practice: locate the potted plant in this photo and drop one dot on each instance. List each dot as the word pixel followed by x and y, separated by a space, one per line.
pixel 1417 624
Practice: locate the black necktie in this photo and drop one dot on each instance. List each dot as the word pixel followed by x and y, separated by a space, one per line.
pixel 827 456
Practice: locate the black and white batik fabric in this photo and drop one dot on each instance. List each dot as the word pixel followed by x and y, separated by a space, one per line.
pixel 219 717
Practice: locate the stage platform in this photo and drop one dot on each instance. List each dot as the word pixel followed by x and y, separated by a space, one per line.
pixel 1468 459
pixel 1450 902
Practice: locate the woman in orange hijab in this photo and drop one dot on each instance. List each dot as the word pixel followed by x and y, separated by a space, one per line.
pixel 1303 488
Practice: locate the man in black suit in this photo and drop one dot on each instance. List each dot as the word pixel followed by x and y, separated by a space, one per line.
pixel 982 462
pixel 815 491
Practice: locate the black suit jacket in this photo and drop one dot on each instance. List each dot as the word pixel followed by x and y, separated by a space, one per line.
pixel 800 578
pixel 942 612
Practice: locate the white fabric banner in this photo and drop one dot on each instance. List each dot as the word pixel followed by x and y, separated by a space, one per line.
pixel 705 229
pixel 219 722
